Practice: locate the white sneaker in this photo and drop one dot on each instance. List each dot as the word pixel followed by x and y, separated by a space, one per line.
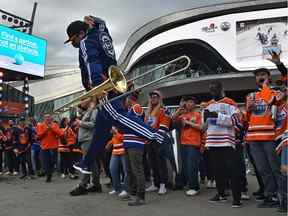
pixel 7 173
pixel 63 176
pixel 112 192
pixel 191 192
pixel 245 196
pixel 209 184
pixel 162 189
pixel 213 184
pixel 151 188
pixel 1 173
pixel 72 176
pixel 15 173
pixel 123 194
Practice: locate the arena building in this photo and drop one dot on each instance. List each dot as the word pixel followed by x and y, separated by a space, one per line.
pixel 225 42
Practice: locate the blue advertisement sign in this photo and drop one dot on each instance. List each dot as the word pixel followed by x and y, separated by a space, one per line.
pixel 22 52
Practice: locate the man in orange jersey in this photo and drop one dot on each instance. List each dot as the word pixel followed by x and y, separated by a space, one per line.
pixel 190 140
pixel 261 134
pixel 49 134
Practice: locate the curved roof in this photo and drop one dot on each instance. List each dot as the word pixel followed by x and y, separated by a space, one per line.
pixel 58 82
pixel 176 19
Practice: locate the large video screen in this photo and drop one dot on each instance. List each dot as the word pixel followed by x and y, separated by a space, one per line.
pixel 245 40
pixel 21 52
pixel 258 39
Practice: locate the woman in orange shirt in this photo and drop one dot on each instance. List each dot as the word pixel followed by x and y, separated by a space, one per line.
pixel 65 149
pixel 190 145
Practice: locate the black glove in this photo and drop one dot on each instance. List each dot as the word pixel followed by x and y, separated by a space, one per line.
pixel 208 114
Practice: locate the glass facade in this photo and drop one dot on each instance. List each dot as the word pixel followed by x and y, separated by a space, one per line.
pixel 204 61
pixel 195 70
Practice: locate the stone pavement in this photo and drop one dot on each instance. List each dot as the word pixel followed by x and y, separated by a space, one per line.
pixel 37 198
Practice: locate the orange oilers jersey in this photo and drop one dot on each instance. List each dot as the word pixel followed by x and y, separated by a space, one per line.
pixel 221 131
pixel 117 144
pixel 161 121
pixel 190 135
pixel 261 124
pixel 70 138
pixel 281 119
pixel 49 138
pixel 281 126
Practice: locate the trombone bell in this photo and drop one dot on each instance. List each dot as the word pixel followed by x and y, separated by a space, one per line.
pixel 116 81
pixel 117 78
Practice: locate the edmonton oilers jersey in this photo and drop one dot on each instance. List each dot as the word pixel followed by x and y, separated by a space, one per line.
pixel 260 107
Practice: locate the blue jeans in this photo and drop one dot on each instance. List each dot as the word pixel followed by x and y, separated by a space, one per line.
pixel 115 114
pixel 284 155
pixel 49 160
pixel 115 162
pixel 36 159
pixel 190 157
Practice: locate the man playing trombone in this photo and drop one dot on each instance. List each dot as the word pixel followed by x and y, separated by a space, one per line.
pixel 96 55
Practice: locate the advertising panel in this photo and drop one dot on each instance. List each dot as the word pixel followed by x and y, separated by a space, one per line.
pixel 257 39
pixel 11 108
pixel 245 40
pixel 21 52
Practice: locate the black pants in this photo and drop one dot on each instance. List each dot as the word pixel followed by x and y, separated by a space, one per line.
pixel 1 160
pixel 12 161
pixel 258 176
pixel 135 172
pixel 49 160
pixel 94 177
pixel 66 161
pixel 226 165
pixel 206 169
pixel 243 179
pixel 147 167
pixel 158 164
pixel 104 159
pixel 25 162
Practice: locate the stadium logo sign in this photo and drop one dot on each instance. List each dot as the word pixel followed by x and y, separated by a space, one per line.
pixel 225 26
pixel 210 28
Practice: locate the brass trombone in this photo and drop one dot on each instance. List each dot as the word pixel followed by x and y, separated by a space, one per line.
pixel 117 81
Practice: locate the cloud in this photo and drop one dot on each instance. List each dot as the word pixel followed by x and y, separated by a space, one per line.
pixel 122 17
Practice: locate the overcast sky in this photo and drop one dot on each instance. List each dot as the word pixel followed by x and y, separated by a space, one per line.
pixel 123 17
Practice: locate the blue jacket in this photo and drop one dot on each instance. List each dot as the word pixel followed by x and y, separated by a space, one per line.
pixel 96 54
pixel 131 140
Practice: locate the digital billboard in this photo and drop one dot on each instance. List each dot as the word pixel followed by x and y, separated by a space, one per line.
pixel 243 39
pixel 20 52
pixel 257 39
pixel 11 108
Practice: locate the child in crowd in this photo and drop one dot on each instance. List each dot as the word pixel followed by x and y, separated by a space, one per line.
pixel 116 162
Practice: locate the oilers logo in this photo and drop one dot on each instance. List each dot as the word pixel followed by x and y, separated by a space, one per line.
pixel 107 45
pixel 280 118
pixel 151 121
pixel 260 108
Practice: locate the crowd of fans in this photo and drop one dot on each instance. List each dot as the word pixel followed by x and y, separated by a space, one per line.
pixel 212 143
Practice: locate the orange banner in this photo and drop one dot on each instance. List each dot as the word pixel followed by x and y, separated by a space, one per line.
pixel 11 108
